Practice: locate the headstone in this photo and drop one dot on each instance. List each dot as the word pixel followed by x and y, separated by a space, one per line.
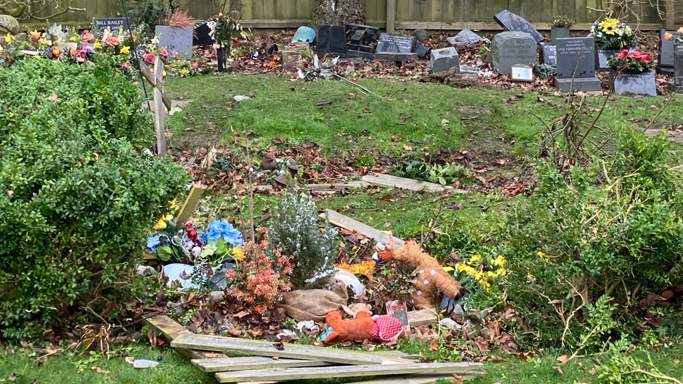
pixel 547 54
pixel 634 83
pixel 522 72
pixel 361 40
pixel 576 65
pixel 678 65
pixel 112 22
pixel 421 50
pixel 202 34
pixel 601 56
pixel 445 59
pixel 465 37
pixel 395 44
pixel 332 40
pixel 421 35
pixel 304 34
pixel 511 22
pixel 665 57
pixel 510 48
pixel 176 39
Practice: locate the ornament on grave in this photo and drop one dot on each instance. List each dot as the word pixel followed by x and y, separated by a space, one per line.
pixel 8 24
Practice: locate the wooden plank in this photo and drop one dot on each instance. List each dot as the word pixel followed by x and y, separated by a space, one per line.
pixel 291 351
pixel 353 225
pixel 159 113
pixel 402 183
pixel 406 379
pixel 170 329
pixel 422 317
pixel 493 27
pixel 335 187
pixel 462 369
pixel 191 203
pixel 391 16
pixel 252 363
pixel 670 16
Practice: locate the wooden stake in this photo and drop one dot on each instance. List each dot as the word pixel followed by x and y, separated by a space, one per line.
pixel 191 203
pixel 670 16
pixel 391 16
pixel 159 113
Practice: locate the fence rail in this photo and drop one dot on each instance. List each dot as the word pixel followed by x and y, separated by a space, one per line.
pixel 409 14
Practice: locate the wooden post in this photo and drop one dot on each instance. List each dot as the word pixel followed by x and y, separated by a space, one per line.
pixel 159 113
pixel 391 15
pixel 670 17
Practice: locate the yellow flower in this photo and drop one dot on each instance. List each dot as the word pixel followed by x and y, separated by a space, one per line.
pixel 502 272
pixel 74 38
pixel 125 49
pixel 8 38
pixel 460 267
pixel 490 275
pixel 97 45
pixel 41 41
pixel 485 283
pixel 161 224
pixel 474 259
pixel 184 72
pixel 609 25
pixel 542 255
pixel 174 205
pixel 363 268
pixel 499 261
pixel 238 253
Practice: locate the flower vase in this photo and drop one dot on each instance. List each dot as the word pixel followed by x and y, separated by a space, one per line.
pixel 678 64
pixel 558 32
pixel 636 83
pixel 222 58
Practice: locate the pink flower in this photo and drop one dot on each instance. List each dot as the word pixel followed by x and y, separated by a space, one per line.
pixel 195 65
pixel 149 58
pixel 35 36
pixel 163 52
pixel 112 41
pixel 73 53
pixel 174 53
pixel 88 37
pixel 125 65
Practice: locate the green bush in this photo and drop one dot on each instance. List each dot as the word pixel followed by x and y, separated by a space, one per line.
pixel 77 193
pixel 613 230
pixel 294 231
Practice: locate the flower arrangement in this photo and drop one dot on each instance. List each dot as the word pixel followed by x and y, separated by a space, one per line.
pixel 481 274
pixel 678 40
pixel 612 34
pixel 635 62
pixel 223 27
pixel 262 279
pixel 562 22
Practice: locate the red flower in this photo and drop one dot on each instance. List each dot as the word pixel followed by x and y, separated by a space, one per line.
pixel 619 56
pixel 645 58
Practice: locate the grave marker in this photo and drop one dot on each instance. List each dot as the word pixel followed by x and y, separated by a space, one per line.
pixel 511 22
pixel 665 57
pixel 547 54
pixel 522 72
pixel 395 48
pixel 361 40
pixel 332 40
pixel 510 48
pixel 678 65
pixel 445 59
pixel 112 22
pixel 465 37
pixel 576 65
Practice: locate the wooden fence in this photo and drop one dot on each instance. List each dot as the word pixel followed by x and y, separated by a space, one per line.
pixel 409 14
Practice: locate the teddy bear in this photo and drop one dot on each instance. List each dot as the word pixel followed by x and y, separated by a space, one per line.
pixel 364 326
pixel 429 274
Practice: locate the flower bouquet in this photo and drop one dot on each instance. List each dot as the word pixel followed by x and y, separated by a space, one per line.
pixel 635 62
pixel 631 73
pixel 612 34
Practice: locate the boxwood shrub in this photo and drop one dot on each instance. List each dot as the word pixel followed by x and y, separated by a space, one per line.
pixel 77 192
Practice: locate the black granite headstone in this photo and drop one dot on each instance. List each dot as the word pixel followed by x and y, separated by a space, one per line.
pixel 665 57
pixel 395 44
pixel 548 54
pixel 576 65
pixel 678 65
pixel 201 34
pixel 361 37
pixel 331 39
pixel 511 22
pixel 112 22
pixel 634 83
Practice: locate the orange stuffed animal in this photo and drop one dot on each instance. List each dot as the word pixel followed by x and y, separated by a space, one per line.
pixel 340 330
pixel 430 275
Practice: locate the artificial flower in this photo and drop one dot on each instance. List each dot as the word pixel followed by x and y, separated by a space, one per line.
pixel 174 53
pixel 161 224
pixel 97 45
pixel 125 65
pixel 149 58
pixel 174 205
pixel 184 72
pixel 152 243
pixel 35 35
pixel 238 253
pixel 680 30
pixel 163 52
pixel 609 26
pixel 112 41
pixel 362 268
pixel 8 38
pixel 125 49
pixel 88 37
pixel 222 229
pixel 195 65
pixel 73 38
pixel 669 36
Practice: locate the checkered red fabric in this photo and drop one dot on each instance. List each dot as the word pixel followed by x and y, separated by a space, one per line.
pixel 386 328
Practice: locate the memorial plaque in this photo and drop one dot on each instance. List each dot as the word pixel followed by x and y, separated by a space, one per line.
pixel 665 57
pixel 522 72
pixel 395 44
pixel 112 22
pixel 575 53
pixel 511 22
pixel 510 48
pixel 548 54
pixel 635 83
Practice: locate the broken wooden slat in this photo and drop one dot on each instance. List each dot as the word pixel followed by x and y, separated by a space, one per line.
pixel 406 379
pixel 346 222
pixel 462 369
pixel 170 329
pixel 252 363
pixel 269 349
pixel 422 317
pixel 191 203
pixel 335 187
pixel 402 183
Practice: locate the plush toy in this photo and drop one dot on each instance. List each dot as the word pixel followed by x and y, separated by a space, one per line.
pixel 363 326
pixel 430 275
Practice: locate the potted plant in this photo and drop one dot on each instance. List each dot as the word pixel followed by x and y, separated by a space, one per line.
pixel 610 36
pixel 678 56
pixel 222 29
pixel 631 72
pixel 560 28
pixel 176 33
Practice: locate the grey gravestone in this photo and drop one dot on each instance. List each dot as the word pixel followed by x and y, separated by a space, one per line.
pixel 176 39
pixel 576 65
pixel 331 39
pixel 113 22
pixel 510 48
pixel 665 57
pixel 678 65
pixel 467 38
pixel 547 54
pixel 601 56
pixel 445 59
pixel 395 44
pixel 421 34
pixel 635 83
pixel 511 22
pixel 421 50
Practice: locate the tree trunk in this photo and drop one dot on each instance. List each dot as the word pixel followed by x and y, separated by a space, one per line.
pixel 339 12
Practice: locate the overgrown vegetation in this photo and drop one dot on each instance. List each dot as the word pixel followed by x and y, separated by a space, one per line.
pixel 79 195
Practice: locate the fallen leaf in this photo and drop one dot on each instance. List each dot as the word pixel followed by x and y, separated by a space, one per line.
pixel 53 97
pixel 366 110
pixel 407 147
pixel 457 379
pixel 99 370
pixel 241 314
pixel 434 345
pixel 558 369
pixel 562 359
pixel 352 96
pixel 592 372
pixel 387 225
pixel 10 192
pixel 276 357
pixel 444 122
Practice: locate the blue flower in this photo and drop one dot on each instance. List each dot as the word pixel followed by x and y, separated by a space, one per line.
pixel 222 229
pixel 152 243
